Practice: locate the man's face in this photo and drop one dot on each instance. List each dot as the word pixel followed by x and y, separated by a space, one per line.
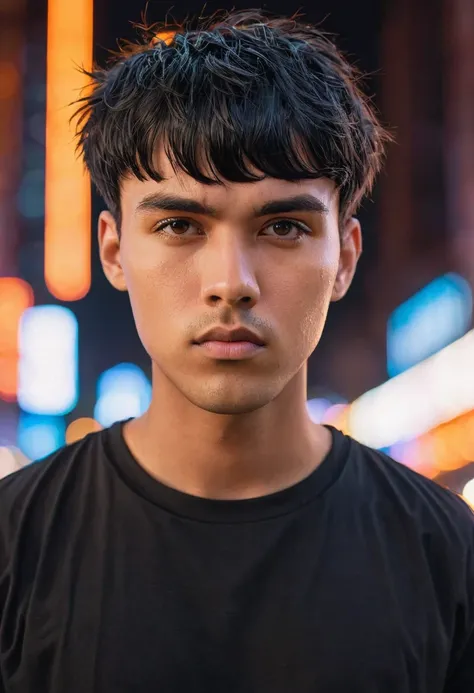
pixel 229 263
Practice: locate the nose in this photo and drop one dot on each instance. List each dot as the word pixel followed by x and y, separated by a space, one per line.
pixel 227 275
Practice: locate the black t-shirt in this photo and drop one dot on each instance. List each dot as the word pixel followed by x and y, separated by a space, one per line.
pixel 358 579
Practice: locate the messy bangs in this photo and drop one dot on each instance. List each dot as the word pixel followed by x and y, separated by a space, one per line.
pixel 231 102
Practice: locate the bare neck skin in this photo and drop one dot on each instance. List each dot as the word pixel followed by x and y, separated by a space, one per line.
pixel 227 457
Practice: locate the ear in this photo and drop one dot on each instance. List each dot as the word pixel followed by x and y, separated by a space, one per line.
pixel 109 250
pixel 351 249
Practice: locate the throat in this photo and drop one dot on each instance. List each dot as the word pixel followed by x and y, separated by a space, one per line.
pixel 226 468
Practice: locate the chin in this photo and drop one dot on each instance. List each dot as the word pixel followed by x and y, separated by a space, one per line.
pixel 229 408
pixel 227 394
pixel 240 401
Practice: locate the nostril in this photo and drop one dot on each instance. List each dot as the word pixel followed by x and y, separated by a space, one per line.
pixel 213 299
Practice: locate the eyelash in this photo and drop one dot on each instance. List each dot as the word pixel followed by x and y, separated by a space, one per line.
pixel 303 230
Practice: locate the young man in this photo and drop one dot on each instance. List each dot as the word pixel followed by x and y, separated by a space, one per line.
pixel 223 542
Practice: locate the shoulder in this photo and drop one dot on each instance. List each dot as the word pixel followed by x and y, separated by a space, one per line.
pixel 30 495
pixel 409 496
pixel 38 477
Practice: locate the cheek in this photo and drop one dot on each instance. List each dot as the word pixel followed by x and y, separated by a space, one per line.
pixel 314 308
pixel 304 296
pixel 153 273
pixel 159 290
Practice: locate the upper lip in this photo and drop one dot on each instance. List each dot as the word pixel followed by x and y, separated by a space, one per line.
pixel 239 334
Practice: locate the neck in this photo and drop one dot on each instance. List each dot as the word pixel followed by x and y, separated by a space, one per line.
pixel 227 456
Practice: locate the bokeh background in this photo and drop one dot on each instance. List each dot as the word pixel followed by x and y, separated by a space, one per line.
pixel 395 368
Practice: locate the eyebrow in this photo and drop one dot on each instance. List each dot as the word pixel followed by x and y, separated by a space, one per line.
pixel 174 203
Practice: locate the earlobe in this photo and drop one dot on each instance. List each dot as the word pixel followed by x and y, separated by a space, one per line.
pixel 351 249
pixel 109 250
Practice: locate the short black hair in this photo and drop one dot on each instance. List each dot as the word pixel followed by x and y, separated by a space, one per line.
pixel 227 96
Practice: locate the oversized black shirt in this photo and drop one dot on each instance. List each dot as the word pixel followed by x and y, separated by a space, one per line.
pixel 358 579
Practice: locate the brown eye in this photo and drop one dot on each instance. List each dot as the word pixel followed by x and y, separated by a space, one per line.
pixel 283 228
pixel 177 227
pixel 287 229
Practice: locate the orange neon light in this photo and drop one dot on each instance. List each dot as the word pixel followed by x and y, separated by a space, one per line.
pixel 165 36
pixel 67 195
pixel 453 443
pixel 15 297
pixel 81 427
pixel 445 448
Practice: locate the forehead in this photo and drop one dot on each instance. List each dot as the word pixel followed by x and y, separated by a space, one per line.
pixel 226 196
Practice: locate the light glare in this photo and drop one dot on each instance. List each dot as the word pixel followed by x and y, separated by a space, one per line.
pixel 39 436
pixel 48 368
pixel 123 392
pixel 433 392
pixel 67 263
pixel 428 321
pixel 468 492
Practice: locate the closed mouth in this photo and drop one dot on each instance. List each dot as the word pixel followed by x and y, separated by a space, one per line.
pixel 240 334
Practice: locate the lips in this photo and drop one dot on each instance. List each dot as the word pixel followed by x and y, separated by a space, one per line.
pixel 220 334
pixel 221 344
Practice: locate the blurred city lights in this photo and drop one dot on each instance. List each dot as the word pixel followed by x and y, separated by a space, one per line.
pixel 447 447
pixel 416 454
pixel 48 367
pixel 123 392
pixel 67 186
pixel 15 297
pixel 11 460
pixel 39 436
pixel 468 492
pixel 8 464
pixel 430 320
pixel 80 428
pixel 337 416
pixel 433 392
pixel 317 408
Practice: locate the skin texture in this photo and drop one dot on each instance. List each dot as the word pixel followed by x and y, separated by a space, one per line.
pixel 228 429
